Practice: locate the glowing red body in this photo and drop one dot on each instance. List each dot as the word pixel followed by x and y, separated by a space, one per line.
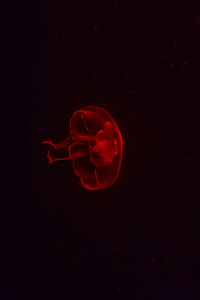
pixel 95 147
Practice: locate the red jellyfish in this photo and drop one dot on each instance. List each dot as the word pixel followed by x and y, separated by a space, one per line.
pixel 95 146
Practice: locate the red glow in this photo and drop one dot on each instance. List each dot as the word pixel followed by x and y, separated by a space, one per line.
pixel 95 146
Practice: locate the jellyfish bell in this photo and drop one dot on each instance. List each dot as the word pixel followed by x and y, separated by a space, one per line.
pixel 95 146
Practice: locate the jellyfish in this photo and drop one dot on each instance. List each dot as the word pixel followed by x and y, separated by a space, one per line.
pixel 95 146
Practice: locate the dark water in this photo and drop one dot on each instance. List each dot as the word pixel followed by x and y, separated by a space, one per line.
pixel 138 239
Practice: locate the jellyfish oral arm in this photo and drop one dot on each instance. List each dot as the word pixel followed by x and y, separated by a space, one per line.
pixel 51 159
pixel 60 145
pixel 75 155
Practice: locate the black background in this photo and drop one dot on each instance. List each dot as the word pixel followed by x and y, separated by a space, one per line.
pixel 138 239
